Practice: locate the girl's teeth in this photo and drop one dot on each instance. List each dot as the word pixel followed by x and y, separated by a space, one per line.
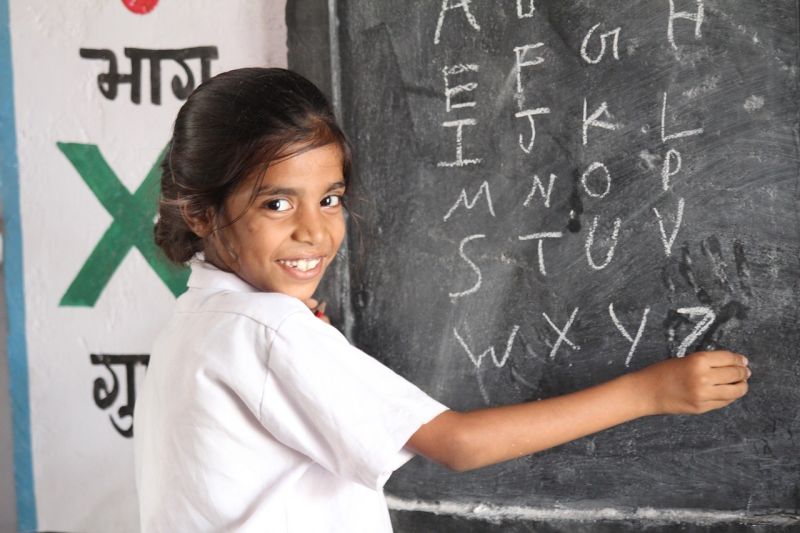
pixel 303 265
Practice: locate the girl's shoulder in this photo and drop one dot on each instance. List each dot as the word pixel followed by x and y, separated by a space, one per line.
pixel 267 308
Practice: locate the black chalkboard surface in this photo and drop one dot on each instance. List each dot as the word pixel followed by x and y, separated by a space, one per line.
pixel 553 193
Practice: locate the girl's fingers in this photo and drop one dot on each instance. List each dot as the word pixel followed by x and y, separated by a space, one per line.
pixel 725 358
pixel 311 303
pixel 728 393
pixel 730 374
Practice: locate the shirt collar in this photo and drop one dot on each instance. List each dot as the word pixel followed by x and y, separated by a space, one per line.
pixel 206 276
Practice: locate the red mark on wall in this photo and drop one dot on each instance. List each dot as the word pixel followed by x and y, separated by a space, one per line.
pixel 140 7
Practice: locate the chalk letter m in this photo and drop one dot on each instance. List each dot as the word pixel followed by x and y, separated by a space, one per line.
pixel 133 216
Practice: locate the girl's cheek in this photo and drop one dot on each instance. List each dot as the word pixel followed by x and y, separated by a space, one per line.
pixel 252 227
pixel 340 230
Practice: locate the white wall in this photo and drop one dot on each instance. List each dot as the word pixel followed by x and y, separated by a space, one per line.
pixel 82 467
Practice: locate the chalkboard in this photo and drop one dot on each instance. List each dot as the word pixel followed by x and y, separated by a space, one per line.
pixel 551 194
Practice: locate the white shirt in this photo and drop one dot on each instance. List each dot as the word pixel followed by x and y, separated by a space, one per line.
pixel 257 416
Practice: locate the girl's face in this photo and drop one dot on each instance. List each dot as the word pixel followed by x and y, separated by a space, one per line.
pixel 287 237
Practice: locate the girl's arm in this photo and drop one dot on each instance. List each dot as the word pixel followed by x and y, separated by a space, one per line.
pixel 695 384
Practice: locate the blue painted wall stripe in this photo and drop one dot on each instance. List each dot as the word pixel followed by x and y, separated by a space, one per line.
pixel 15 294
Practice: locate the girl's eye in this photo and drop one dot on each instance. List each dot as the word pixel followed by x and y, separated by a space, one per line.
pixel 333 200
pixel 279 204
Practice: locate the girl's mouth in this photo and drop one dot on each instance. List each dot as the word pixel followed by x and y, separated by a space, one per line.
pixel 302 268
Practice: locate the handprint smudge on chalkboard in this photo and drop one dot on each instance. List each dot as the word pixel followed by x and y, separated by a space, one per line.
pixel 720 298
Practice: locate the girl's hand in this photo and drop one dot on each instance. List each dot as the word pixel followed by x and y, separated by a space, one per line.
pixel 695 384
pixel 319 309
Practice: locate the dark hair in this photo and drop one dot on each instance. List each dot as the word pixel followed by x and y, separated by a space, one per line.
pixel 232 125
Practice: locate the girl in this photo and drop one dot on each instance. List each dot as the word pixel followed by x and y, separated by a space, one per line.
pixel 255 415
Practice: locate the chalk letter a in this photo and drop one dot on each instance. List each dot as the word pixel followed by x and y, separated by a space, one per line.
pixel 447 5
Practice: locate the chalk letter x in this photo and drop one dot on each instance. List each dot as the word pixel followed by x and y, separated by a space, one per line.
pixel 562 333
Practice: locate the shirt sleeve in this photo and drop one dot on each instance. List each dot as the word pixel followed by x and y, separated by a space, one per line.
pixel 337 405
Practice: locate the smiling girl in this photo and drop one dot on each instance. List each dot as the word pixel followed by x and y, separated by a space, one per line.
pixel 255 415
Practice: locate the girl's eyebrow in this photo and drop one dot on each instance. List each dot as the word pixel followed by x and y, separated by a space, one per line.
pixel 276 191
pixel 268 190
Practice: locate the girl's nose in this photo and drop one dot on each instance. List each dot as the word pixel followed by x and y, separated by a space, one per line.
pixel 310 226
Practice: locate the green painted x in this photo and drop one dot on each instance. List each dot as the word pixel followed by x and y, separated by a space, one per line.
pixel 132 226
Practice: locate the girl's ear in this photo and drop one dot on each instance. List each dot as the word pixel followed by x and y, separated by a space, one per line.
pixel 200 225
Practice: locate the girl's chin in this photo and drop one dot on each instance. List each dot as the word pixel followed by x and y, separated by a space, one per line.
pixel 300 289
pixel 297 290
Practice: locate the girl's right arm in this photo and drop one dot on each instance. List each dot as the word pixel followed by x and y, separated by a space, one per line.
pixel 694 384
